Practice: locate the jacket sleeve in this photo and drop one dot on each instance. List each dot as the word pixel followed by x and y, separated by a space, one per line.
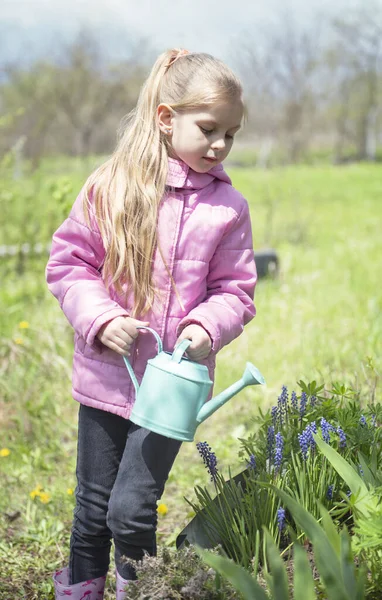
pixel 74 276
pixel 230 286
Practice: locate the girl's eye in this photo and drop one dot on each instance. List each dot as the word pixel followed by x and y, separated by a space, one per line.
pixel 206 131
pixel 230 137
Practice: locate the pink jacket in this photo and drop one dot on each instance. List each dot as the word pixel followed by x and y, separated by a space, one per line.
pixel 205 236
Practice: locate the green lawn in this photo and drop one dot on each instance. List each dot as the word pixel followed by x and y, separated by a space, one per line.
pixel 320 319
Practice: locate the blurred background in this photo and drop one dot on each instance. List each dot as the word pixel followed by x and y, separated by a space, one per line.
pixel 309 163
pixel 70 70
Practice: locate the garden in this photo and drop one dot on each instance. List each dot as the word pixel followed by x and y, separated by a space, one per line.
pixel 279 495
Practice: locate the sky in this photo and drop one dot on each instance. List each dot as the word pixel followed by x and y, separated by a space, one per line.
pixel 30 28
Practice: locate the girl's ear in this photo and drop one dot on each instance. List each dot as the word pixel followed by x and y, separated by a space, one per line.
pixel 165 117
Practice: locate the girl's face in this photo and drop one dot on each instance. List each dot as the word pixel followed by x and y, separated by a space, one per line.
pixel 203 138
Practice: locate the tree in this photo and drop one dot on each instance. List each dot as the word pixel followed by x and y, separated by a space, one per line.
pixel 357 64
pixel 71 103
pixel 281 67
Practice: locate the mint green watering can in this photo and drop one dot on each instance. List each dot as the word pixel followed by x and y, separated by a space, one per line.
pixel 172 397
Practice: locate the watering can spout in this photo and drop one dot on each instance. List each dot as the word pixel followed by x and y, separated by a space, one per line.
pixel 251 376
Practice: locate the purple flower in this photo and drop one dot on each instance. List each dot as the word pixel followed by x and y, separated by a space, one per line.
pixel 279 450
pixel 303 401
pixel 325 428
pixel 362 421
pixel 294 401
pixel 274 413
pixel 360 470
pixel 329 493
pixel 342 437
pixel 310 429
pixel 313 401
pixel 282 403
pixel 306 439
pixel 281 518
pixel 209 459
pixel 270 441
pixel 313 428
pixel 252 462
pixel 304 444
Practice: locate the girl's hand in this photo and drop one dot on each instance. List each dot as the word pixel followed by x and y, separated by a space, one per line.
pixel 201 342
pixel 119 334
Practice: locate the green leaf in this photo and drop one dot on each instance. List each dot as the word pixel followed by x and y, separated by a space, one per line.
pixel 368 475
pixel 347 566
pixel 330 530
pixel 279 579
pixel 256 558
pixel 326 558
pixel 303 581
pixel 365 502
pixel 239 578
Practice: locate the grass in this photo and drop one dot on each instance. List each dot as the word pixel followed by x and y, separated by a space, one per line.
pixel 320 319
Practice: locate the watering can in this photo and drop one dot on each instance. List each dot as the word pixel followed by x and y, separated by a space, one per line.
pixel 171 399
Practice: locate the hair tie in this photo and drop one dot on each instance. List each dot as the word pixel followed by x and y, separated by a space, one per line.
pixel 177 54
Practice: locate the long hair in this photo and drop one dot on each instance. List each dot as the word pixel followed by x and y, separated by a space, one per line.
pixel 124 193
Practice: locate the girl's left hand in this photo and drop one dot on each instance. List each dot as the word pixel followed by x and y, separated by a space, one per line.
pixel 201 342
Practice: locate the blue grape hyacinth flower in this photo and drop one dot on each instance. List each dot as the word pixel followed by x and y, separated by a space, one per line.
pixel 306 440
pixel 278 459
pixel 313 401
pixel 282 405
pixel 303 440
pixel 270 441
pixel 274 413
pixel 209 459
pixel 294 401
pixel 325 429
pixel 303 401
pixel 252 462
pixel 281 518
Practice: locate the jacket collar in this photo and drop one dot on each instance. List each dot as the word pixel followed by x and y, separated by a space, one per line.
pixel 181 176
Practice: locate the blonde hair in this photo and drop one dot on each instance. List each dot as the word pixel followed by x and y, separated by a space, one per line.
pixel 126 190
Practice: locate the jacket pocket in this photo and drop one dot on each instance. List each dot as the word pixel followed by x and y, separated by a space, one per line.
pixel 83 348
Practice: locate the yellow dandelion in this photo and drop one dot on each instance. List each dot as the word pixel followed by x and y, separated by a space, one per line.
pixel 44 497
pixel 36 492
pixel 23 325
pixel 19 341
pixel 162 509
pixel 4 452
pixel 69 491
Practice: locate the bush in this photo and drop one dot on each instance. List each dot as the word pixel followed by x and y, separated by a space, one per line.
pixel 178 576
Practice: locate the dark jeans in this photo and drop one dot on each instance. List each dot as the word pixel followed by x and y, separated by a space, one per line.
pixel 121 472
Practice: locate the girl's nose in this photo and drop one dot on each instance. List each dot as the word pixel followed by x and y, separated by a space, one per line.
pixel 218 144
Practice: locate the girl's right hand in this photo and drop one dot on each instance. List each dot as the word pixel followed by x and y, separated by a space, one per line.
pixel 120 333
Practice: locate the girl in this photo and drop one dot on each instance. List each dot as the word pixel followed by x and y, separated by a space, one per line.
pixel 157 236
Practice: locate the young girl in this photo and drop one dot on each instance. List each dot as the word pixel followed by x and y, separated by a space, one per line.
pixel 158 236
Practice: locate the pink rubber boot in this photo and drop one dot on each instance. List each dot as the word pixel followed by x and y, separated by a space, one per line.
pixel 121 585
pixel 93 589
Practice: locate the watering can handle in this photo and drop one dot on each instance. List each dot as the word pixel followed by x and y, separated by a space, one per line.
pixel 180 350
pixel 127 362
pixel 159 341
